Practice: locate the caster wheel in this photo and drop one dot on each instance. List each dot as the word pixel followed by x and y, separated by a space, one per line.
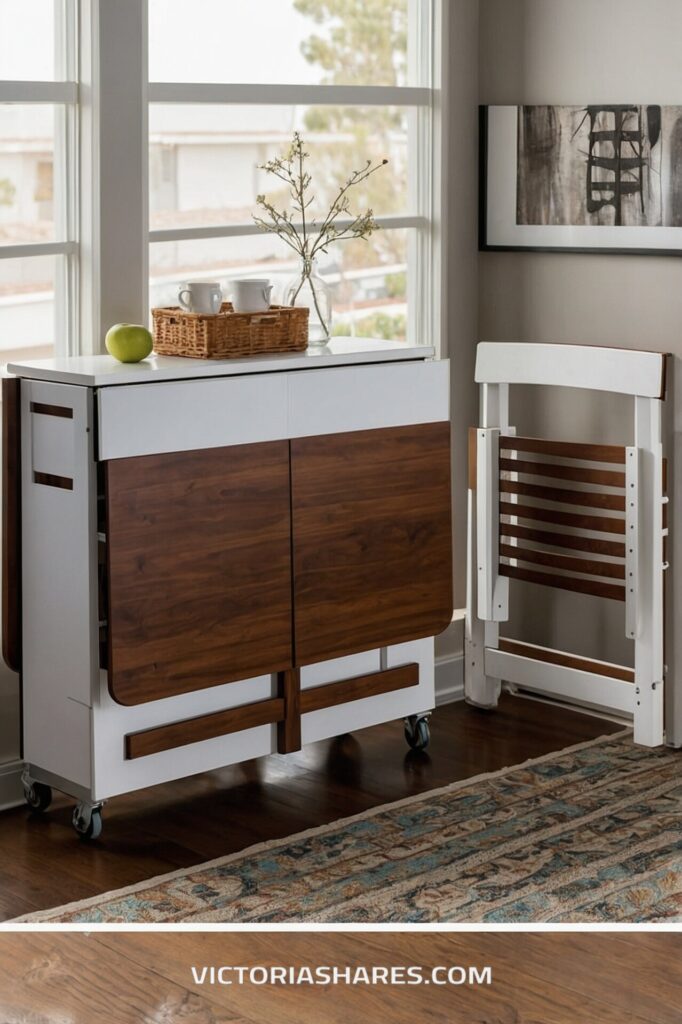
pixel 87 823
pixel 38 796
pixel 417 732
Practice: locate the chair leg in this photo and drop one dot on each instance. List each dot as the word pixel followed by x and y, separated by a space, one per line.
pixel 479 689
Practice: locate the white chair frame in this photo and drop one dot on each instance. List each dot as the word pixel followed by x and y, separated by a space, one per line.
pixel 639 567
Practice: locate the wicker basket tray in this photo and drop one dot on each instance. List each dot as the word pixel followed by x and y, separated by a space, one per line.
pixel 227 335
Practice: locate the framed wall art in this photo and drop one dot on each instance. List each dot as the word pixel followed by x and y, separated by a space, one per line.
pixel 582 179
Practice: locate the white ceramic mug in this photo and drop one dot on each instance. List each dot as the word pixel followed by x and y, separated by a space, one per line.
pixel 251 295
pixel 201 297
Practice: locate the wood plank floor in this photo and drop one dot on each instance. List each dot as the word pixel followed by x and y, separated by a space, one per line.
pixel 43 864
pixel 145 978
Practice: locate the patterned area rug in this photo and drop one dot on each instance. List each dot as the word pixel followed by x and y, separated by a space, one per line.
pixel 590 834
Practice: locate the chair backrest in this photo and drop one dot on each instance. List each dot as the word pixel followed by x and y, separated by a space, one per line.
pixel 619 370
pixel 589 518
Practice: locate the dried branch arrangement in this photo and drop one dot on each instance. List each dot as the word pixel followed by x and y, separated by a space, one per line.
pixel 305 236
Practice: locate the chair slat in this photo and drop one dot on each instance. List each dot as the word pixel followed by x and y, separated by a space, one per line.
pixel 551 657
pixel 601 524
pixel 587 566
pixel 604 477
pixel 565 449
pixel 595 545
pixel 587 499
pixel 598 588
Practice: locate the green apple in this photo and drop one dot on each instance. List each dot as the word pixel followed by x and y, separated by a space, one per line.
pixel 129 343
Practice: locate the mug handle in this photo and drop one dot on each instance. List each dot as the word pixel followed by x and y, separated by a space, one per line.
pixel 185 303
pixel 267 292
pixel 216 300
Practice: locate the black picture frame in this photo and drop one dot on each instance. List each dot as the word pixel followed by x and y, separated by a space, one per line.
pixel 484 245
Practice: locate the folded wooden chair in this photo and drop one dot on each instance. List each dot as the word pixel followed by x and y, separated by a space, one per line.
pixel 589 518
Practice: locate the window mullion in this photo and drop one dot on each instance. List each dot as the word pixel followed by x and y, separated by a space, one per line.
pixel 189 234
pixel 421 300
pixel 114 177
pixel 38 92
pixel 289 95
pixel 65 185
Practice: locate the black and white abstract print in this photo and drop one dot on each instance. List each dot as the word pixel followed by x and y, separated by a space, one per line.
pixel 611 166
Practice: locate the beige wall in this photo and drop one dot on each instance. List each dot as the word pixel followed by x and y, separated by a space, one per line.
pixel 461 267
pixel 575 52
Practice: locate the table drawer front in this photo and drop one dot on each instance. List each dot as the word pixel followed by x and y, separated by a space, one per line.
pixel 354 398
pixel 150 419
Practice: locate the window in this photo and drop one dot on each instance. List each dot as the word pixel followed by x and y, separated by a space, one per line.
pixel 38 252
pixel 169 172
pixel 357 80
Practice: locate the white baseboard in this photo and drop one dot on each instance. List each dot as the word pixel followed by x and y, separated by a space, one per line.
pixel 449 679
pixel 11 791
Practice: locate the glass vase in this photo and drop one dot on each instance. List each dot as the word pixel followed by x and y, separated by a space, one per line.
pixel 309 289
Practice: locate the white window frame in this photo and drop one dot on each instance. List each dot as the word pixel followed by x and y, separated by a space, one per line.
pixel 114 120
pixel 62 93
pixel 112 167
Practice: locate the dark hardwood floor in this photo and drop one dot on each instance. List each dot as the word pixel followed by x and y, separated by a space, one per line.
pixel 44 864
pixel 131 978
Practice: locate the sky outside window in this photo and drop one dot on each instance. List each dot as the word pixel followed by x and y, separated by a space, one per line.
pixel 27 40
pixel 234 41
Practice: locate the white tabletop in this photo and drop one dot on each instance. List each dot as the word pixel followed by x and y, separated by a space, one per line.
pixel 104 371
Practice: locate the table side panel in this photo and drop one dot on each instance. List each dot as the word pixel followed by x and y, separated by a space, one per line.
pixel 11 523
pixel 60 631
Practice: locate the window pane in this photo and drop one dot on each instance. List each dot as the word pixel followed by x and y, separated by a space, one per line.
pixel 204 160
pixel 27 311
pixel 370 288
pixel 27 44
pixel 368 279
pixel 342 42
pixel 26 173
